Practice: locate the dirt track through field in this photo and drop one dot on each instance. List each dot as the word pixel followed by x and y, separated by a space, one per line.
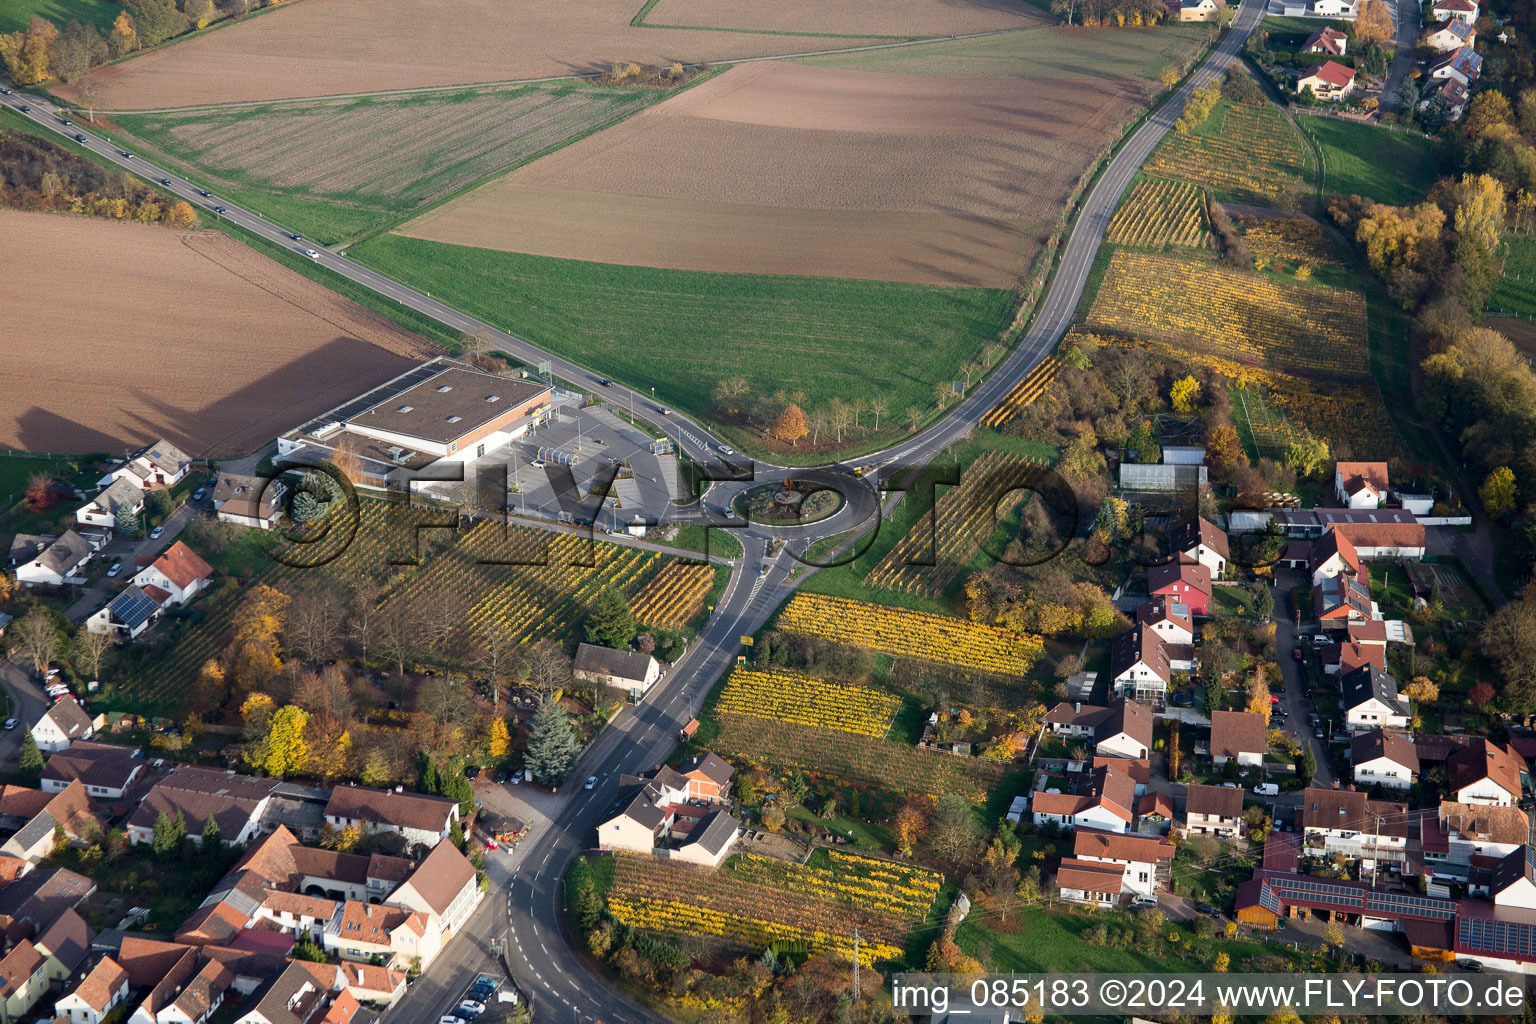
pixel 116 334
pixel 337 47
pixel 782 168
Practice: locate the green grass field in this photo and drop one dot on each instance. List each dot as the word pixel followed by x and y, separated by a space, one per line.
pixel 683 332
pixel 1361 159
pixel 1290 33
pixel 339 169
pixel 1516 291
pixel 16 14
pixel 1043 52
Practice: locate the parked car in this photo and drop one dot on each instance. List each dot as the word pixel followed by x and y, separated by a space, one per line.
pixel 591 782
pixel 1143 901
pixel 1267 789
pixel 517 777
pixel 197 495
pixel 470 1006
pixel 1475 966
pixel 11 723
pixel 156 532
pixel 1296 653
pixel 471 771
pixel 1207 909
pixel 116 568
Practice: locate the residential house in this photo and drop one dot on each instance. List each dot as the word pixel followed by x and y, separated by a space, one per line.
pixel 1138 768
pixel 132 611
pixel 631 671
pixel 1381 758
pixel 1365 643
pixel 1102 798
pixel 294 913
pixel 709 778
pixel 1170 620
pixel 1330 81
pixel 62 724
pixel 1123 730
pixel 1371 700
pixel 1137 855
pixel 1360 484
pixel 1330 41
pixel 661 814
pixel 1332 9
pixel 67 812
pixel 154 1008
pixel 376 986
pixel 98 993
pixel 1485 773
pixel 444 887
pixel 1446 36
pixel 116 498
pixel 1138 666
pixel 708 840
pixel 1331 556
pixel 32 902
pixel 1454 94
pixel 1184 582
pixel 1239 736
pixel 1463 64
pixel 60 562
pixel 420 819
pixel 178 573
pixel 106 770
pixel 153 467
pixel 235 801
pixel 1214 810
pixel 251 501
pixel 23 981
pixel 310 993
pixel 1081 881
pixel 1341 600
pixel 200 998
pixel 1346 821
pixel 1461 10
pixel 1199 10
pixel 1201 542
pixel 64 943
pixel 1457 834
pixel 395 935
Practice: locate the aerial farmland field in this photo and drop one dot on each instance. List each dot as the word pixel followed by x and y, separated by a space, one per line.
pixel 137 347
pixel 819 171
pixel 849 18
pixel 367 162
pixel 339 47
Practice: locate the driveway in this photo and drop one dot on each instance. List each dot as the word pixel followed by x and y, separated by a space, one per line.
pixel 1296 707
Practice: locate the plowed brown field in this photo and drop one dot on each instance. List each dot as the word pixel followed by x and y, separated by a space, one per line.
pixel 333 47
pixel 781 168
pixel 115 334
pixel 848 17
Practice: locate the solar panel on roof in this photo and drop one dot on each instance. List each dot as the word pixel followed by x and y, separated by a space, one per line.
pixel 133 606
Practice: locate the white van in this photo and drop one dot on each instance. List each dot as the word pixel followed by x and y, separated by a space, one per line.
pixel 1267 789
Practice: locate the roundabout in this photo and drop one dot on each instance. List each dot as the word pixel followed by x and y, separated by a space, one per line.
pixel 788 503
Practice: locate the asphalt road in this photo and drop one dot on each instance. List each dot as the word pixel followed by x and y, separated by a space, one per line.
pixel 529 912
pixel 1402 53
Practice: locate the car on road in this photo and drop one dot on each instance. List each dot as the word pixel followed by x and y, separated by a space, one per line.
pixel 117 568
pixel 65 120
pixel 205 193
pixel 726 449
pixel 1318 732
pixel 536 464
pixel 79 138
pixel 1296 653
pixel 311 254
pixel 197 495
pixel 156 532
pixel 1267 789
pixel 220 210
pixel 591 782
pixel 11 723
pixel 5 92
pixel 296 236
pixel 664 410
pixel 25 109
pixel 125 154
pixel 604 382
pixel 166 182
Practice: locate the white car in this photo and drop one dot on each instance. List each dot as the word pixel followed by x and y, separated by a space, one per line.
pixel 156 532
pixel 1143 901
pixel 311 254
pixel 726 449
pixel 11 723
pixel 472 1007
pixel 117 568
pixel 591 782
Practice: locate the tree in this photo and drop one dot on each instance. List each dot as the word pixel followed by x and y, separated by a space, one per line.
pixel 168 834
pixel 36 639
pixel 1498 493
pixel 157 20
pixel 1306 457
pixel 955 836
pixel 791 425
pixel 1481 695
pixel 78 49
pixel 1306 763
pixel 773 817
pixel 499 742
pixel 31 757
pixel 129 522
pixel 1509 640
pixel 89 650
pixel 26 56
pixel 1169 76
pixel 911 820
pixel 286 752
pixel 123 40
pixel 1422 690
pixel 1184 394
pixel 213 835
pixel 610 621
pixel 376 771
pixel 1373 25
pixel 553 745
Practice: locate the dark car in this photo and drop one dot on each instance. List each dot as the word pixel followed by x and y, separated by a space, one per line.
pixel 605 382
pixel 25 109
pixel 166 182
pixel 65 120
pixel 125 154
pixel 1207 909
pixel 472 771
pixel 219 209
pixel 296 237
pixel 79 137
pixel 205 193
pixel 5 91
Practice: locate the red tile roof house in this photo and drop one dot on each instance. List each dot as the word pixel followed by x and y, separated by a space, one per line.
pixel 1190 585
pixel 1330 40
pixel 1331 82
pixel 1445 10
pixel 179 572
pixel 1168 619
pixel 422 820
pixel 1332 555
pixel 1081 881
pixel 1121 731
pixel 1366 645
pixel 1139 856
pixel 1239 736
pixel 1346 821
pixel 444 887
pixel 1214 810
pixel 1381 758
pixel 1201 542
pixel 1103 798
pixel 1360 484
pixel 105 987
pixel 709 778
pixel 1485 773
